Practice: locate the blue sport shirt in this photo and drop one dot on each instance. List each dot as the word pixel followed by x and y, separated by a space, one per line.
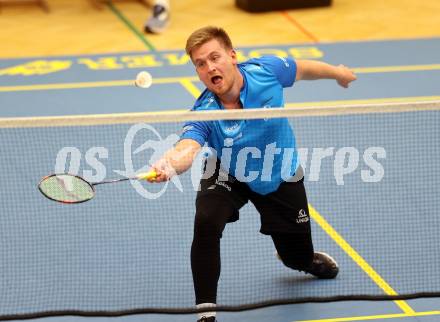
pixel 259 152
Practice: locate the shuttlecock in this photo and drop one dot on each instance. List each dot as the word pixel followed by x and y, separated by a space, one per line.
pixel 143 80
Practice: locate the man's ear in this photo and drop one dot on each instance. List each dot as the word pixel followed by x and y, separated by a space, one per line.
pixel 233 54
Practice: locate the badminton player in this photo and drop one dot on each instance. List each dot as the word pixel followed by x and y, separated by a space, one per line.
pixel 281 202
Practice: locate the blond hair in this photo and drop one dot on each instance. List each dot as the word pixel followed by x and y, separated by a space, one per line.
pixel 205 34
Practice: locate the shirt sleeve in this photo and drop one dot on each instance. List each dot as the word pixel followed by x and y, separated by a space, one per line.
pixel 283 68
pixel 197 131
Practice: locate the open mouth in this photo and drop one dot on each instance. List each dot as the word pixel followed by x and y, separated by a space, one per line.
pixel 216 80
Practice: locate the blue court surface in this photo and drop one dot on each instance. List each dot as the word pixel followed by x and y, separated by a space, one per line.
pixel 384 234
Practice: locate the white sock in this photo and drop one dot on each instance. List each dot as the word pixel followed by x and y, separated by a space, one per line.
pixel 204 306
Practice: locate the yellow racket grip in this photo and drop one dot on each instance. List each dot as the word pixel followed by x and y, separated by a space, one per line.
pixel 149 176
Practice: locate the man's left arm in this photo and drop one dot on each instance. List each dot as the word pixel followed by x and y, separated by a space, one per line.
pixel 311 70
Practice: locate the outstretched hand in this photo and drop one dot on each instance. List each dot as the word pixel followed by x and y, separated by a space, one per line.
pixel 345 76
pixel 163 170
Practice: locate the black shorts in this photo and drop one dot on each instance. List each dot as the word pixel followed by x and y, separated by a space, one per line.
pixel 282 211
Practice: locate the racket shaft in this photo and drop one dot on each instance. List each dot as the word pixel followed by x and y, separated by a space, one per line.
pixel 141 176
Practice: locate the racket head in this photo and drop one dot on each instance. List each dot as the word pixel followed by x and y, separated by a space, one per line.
pixel 66 188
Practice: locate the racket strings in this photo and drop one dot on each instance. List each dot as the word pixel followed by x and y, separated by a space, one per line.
pixel 66 188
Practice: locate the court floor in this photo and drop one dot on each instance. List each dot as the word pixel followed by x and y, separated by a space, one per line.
pixel 390 70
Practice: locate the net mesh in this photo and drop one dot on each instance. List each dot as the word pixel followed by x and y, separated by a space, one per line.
pixel 372 184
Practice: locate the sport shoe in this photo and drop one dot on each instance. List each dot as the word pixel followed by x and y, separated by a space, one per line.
pixel 158 21
pixel 207 319
pixel 323 266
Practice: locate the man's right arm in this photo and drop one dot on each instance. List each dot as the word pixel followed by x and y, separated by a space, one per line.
pixel 176 161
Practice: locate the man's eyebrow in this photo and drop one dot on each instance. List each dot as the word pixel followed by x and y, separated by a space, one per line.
pixel 207 56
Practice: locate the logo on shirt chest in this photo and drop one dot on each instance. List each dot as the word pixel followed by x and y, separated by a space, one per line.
pixel 232 128
pixel 232 132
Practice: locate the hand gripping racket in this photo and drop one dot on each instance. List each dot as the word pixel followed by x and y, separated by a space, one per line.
pixel 69 188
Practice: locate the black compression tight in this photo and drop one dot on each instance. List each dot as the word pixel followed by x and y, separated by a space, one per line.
pixel 295 250
pixel 211 217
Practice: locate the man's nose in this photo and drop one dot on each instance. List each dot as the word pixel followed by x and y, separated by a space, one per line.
pixel 211 66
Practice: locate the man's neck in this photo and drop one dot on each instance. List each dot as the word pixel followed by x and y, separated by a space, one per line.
pixel 232 104
pixel 231 99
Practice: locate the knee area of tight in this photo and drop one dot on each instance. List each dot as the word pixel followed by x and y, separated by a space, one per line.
pixel 205 223
pixel 297 263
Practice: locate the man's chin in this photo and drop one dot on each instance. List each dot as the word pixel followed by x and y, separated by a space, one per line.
pixel 217 91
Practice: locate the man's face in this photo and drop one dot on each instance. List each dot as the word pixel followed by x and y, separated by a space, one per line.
pixel 215 66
